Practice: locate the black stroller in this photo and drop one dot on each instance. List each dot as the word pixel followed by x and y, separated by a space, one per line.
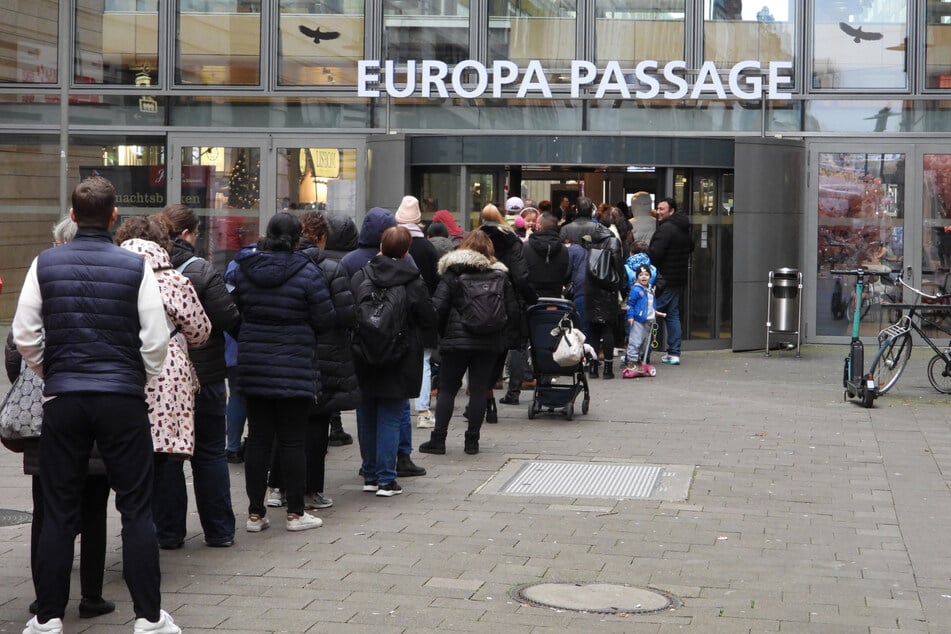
pixel 556 386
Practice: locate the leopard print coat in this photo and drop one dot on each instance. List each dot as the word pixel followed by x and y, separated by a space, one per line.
pixel 171 395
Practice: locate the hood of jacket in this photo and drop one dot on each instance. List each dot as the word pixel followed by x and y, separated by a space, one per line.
pixel 375 223
pixel 467 260
pixel 547 244
pixel 681 221
pixel 270 269
pixel 341 232
pixel 182 250
pixel 386 272
pixel 156 256
pixel 312 251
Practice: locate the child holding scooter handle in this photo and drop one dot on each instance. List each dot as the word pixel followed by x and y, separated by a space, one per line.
pixel 640 318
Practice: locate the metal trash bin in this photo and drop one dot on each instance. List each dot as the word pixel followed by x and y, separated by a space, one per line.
pixel 784 310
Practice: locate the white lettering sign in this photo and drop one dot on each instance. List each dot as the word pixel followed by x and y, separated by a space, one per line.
pixel 470 79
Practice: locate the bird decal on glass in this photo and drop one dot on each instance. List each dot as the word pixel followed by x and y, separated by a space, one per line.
pixel 857 34
pixel 317 35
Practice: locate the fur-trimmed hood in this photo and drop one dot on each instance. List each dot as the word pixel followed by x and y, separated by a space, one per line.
pixel 467 260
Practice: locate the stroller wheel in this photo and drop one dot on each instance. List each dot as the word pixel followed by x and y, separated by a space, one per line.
pixel 584 405
pixel 531 410
pixel 570 411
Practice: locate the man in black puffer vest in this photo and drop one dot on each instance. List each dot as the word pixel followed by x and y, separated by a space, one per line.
pixel 90 321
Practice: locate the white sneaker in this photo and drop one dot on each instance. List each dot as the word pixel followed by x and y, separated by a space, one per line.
pixel 53 626
pixel 670 359
pixel 425 420
pixel 165 625
pixel 303 522
pixel 275 498
pixel 317 501
pixel 257 523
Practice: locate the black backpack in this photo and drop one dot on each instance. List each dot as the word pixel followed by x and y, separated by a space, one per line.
pixel 482 306
pixel 601 270
pixel 380 336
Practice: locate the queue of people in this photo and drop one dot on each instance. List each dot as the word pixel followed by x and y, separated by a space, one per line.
pixel 321 319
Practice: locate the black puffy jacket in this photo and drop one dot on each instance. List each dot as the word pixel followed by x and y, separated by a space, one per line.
pixel 338 380
pixel 209 359
pixel 547 260
pixel 670 249
pixel 453 333
pixel 404 378
pixel 284 302
pixel 601 305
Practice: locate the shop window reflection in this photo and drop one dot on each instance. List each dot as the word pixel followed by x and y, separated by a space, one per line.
pixel 218 43
pixel 321 42
pixel 28 39
pixel 630 31
pixel 543 31
pixel 426 30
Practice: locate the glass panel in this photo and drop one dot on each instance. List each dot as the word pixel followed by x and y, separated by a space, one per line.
pixel 619 115
pixel 135 165
pixel 271 112
pixel 760 31
pixel 28 38
pixel 860 44
pixel 222 186
pixel 117 110
pixel 317 178
pixel 938 45
pixel 438 189
pixel 543 30
pixel 116 42
pixel 486 114
pixel 936 228
pixel 725 281
pixel 861 223
pixel 426 30
pixel 711 228
pixel 29 109
pixel 853 115
pixel 633 30
pixel 29 206
pixel 320 42
pixel 219 42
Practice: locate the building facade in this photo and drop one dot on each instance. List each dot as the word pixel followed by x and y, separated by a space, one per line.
pixel 794 133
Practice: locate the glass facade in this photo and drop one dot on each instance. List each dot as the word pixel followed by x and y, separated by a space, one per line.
pixel 239 106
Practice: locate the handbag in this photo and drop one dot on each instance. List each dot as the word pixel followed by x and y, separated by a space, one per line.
pixel 21 414
pixel 569 348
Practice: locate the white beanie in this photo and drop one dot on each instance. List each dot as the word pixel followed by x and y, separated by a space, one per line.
pixel 408 213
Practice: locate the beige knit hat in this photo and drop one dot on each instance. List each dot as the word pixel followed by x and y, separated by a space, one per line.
pixel 408 213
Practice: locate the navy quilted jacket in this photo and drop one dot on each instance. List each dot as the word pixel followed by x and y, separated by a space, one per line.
pixel 284 302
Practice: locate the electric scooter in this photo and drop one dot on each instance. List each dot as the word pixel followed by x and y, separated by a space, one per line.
pixel 856 382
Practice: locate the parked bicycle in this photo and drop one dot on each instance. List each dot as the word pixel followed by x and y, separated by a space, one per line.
pixel 896 341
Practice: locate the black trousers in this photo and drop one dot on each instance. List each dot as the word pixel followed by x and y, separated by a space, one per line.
pixel 92 531
pixel 482 367
pixel 316 439
pixel 602 338
pixel 283 420
pixel 119 424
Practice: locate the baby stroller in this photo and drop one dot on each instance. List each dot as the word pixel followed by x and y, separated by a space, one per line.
pixel 556 386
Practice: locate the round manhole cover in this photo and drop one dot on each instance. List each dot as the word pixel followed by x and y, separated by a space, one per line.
pixel 9 517
pixel 603 598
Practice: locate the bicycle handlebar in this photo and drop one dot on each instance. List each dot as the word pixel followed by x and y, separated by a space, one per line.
pixel 860 272
pixel 919 292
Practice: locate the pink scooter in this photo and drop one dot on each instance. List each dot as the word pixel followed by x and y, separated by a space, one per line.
pixel 641 369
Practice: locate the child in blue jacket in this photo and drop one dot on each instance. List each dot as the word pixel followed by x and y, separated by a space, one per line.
pixel 640 317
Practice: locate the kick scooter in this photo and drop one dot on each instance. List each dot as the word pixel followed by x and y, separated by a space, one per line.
pixel 857 383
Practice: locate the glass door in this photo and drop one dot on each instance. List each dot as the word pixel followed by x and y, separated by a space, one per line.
pixel 860 221
pixel 223 185
pixel 935 262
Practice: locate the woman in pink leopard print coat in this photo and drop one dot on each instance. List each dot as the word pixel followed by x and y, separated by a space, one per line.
pixel 171 395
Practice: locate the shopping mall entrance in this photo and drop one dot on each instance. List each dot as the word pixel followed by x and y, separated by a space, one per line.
pixel 706 195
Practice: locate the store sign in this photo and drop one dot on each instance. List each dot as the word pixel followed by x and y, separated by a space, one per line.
pixel 469 79
pixel 326 162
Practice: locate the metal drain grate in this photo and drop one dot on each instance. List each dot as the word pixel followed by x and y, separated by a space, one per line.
pixel 10 517
pixel 581 479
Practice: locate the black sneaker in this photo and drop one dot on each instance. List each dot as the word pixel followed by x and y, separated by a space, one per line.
pixel 510 398
pixel 370 486
pixel 389 489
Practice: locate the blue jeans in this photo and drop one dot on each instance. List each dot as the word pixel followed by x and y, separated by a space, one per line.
pixel 422 401
pixel 579 308
pixel 405 444
pixel 236 412
pixel 378 430
pixel 212 480
pixel 669 302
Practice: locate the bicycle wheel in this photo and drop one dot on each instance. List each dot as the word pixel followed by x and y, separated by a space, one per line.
pixel 890 361
pixel 939 373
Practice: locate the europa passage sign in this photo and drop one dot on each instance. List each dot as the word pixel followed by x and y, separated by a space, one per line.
pixel 470 79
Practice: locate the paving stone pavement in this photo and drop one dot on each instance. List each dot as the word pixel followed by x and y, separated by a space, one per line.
pixel 806 514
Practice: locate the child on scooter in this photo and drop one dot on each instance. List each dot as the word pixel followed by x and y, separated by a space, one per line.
pixel 640 318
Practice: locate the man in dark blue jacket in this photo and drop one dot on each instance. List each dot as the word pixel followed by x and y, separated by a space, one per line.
pixel 90 321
